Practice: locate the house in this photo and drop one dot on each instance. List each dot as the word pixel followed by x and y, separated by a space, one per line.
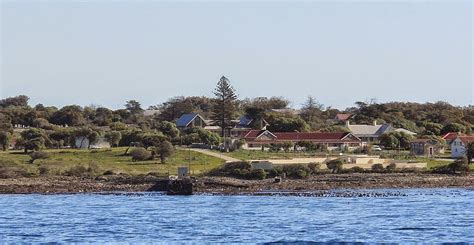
pixel 426 147
pixel 458 146
pixel 449 137
pixel 330 141
pixel 244 124
pixel 83 143
pixel 190 120
pixel 343 117
pixel 371 133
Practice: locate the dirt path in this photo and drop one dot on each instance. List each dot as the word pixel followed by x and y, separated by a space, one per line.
pixel 215 154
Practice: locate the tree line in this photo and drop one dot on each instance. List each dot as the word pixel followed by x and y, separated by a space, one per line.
pixel 131 126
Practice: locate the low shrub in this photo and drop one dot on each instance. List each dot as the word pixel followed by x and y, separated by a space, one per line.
pixel 38 155
pixel 140 154
pixel 13 172
pixel 391 167
pixel 43 170
pixel 109 172
pixel 357 169
pixel 335 165
pixel 233 169
pixel 83 171
pixel 297 171
pixel 458 166
pixel 257 174
pixel 314 167
pixel 378 168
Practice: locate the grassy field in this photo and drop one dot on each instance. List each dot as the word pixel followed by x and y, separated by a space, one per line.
pixel 109 159
pixel 255 154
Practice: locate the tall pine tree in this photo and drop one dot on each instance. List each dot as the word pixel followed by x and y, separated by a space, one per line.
pixel 224 105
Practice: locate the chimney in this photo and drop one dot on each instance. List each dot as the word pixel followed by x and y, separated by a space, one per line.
pixel 375 122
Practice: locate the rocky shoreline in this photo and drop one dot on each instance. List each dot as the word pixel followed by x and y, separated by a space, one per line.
pixel 316 186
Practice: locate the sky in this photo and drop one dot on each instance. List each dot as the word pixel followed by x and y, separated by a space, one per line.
pixel 107 52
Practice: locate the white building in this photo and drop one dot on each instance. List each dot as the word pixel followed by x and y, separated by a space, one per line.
pixel 458 146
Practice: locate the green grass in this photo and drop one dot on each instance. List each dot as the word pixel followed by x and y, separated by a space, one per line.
pixel 110 159
pixel 256 154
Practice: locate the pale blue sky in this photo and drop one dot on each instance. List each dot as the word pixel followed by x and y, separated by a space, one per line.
pixel 106 52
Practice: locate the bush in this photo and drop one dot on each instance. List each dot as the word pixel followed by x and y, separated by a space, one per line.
pixel 234 169
pixel 140 154
pixel 297 171
pixel 81 170
pixel 391 167
pixel 43 170
pixel 77 171
pixel 257 174
pixel 460 165
pixel 357 169
pixel 314 167
pixel 38 155
pixel 378 168
pixel 335 165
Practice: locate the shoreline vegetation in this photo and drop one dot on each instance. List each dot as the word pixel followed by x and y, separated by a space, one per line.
pixel 110 170
pixel 314 185
pixel 76 149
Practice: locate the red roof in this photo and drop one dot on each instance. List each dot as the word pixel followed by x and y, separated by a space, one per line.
pixel 450 136
pixel 299 136
pixel 466 139
pixel 343 116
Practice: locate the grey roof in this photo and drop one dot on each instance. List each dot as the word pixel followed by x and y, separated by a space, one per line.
pixel 186 119
pixel 244 121
pixel 406 131
pixel 369 130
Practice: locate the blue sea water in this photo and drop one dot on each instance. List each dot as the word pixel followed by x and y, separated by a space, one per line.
pixel 412 215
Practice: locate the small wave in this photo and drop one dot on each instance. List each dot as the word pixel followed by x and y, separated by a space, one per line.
pixel 415 229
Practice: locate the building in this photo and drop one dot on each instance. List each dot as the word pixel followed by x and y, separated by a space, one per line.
pixel 194 120
pixel 190 120
pixel 450 137
pixel 244 124
pixel 426 147
pixel 458 146
pixel 83 143
pixel 372 133
pixel 369 133
pixel 330 141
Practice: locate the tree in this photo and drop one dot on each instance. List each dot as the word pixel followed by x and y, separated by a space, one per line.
pixel 113 137
pixel 224 105
pixel 169 129
pixel 86 133
pixel 20 101
pixel 470 152
pixel 152 139
pixel 281 123
pixel 5 139
pixel 164 150
pixel 133 107
pixel 59 137
pixel 68 115
pixel 311 111
pixel 335 165
pixel 32 139
pixel 389 140
pixel 432 128
pixel 453 127
pixel 256 114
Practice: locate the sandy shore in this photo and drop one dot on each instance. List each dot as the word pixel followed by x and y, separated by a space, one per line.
pixel 221 185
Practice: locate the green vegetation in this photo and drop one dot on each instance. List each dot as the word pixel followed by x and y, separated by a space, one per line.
pixel 252 154
pixel 114 160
